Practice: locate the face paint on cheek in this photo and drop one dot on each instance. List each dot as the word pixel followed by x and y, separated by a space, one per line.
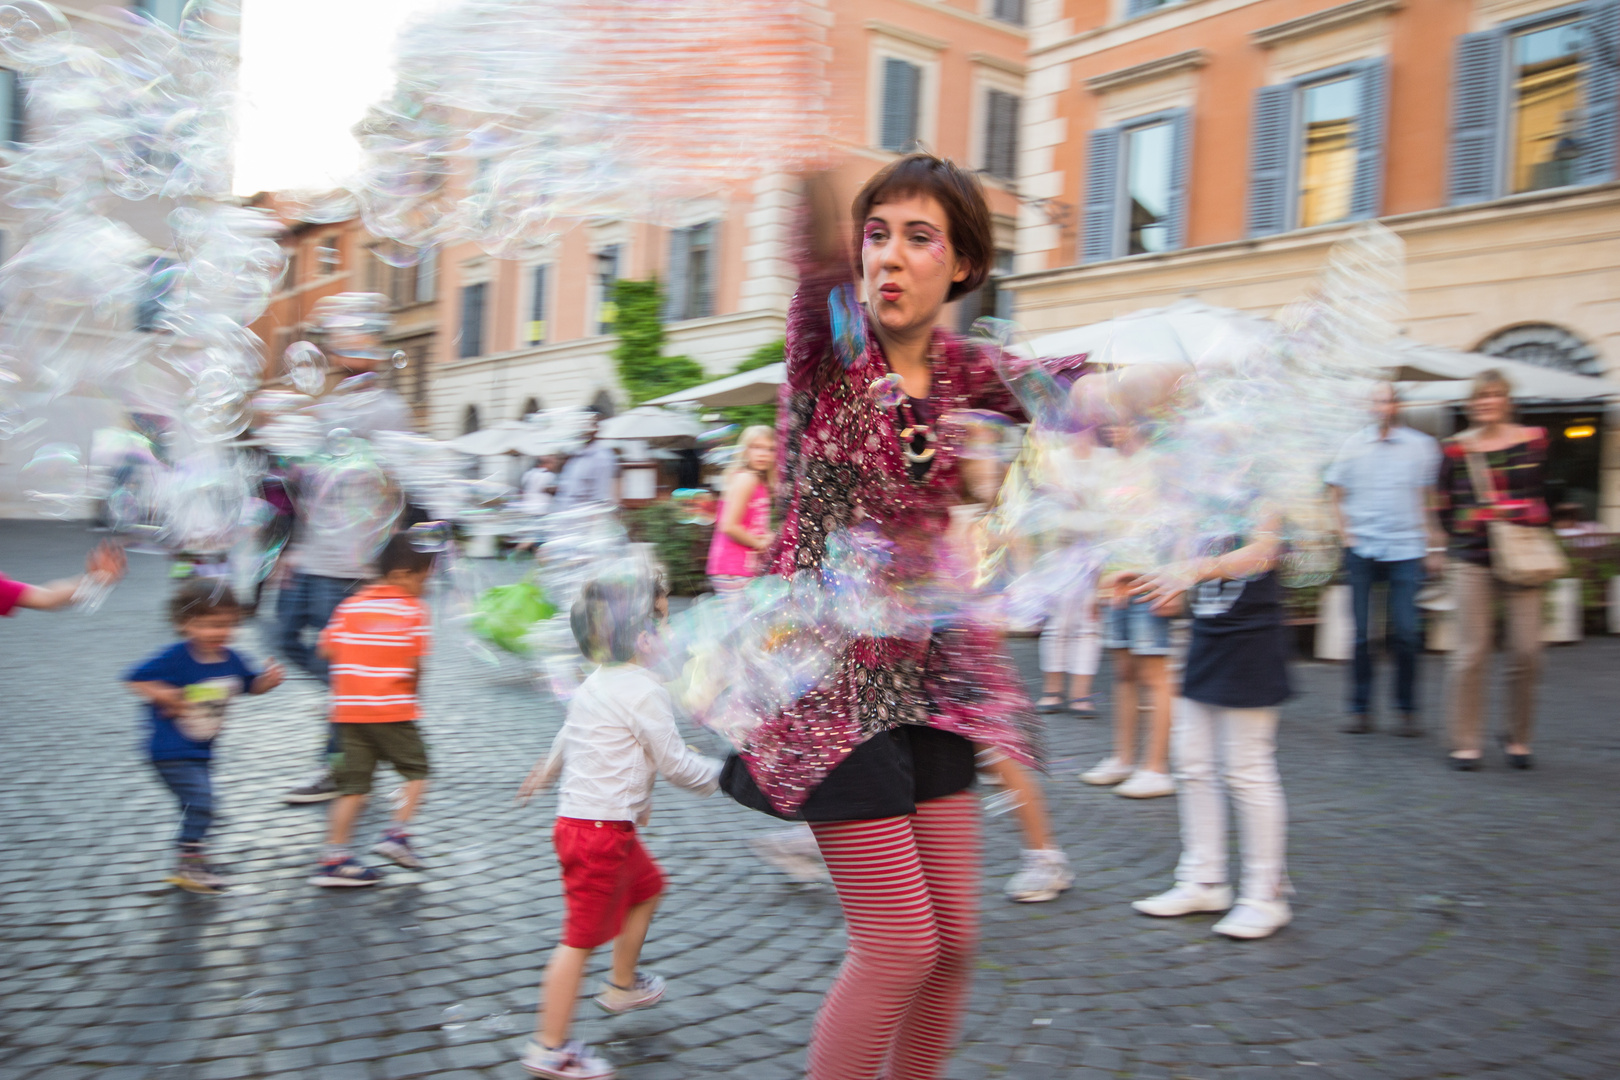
pixel 936 246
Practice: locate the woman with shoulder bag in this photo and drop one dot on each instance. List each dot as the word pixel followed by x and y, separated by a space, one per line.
pixel 1493 504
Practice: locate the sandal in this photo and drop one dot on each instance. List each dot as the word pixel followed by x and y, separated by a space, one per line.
pixel 1049 703
pixel 1083 706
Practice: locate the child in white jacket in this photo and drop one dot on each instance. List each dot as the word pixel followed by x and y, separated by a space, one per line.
pixel 619 735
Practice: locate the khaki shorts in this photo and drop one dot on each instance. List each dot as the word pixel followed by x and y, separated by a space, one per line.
pixel 397 742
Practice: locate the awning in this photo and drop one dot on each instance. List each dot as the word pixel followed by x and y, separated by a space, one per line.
pixel 756 387
pixel 651 425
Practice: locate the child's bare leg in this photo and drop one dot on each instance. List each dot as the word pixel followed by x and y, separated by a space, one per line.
pixel 1052 686
pixel 1125 705
pixel 559 993
pixel 1031 806
pixel 1156 678
pixel 627 946
pixel 340 822
pixel 1079 687
pixel 411 796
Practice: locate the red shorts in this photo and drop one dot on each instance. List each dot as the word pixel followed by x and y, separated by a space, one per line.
pixel 605 872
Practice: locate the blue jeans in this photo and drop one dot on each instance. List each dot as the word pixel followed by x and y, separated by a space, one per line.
pixel 1404 577
pixel 194 788
pixel 1136 628
pixel 305 601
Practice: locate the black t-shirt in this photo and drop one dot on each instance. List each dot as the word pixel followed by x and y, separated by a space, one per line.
pixel 1238 658
pixel 885 776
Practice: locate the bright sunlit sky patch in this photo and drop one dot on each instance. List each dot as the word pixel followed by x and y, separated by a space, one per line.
pixel 309 70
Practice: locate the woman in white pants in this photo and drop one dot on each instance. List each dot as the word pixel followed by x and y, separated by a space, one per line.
pixel 1225 737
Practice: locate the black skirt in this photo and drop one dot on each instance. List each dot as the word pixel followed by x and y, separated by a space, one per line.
pixel 885 776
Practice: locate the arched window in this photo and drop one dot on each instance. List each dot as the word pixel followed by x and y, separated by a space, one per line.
pixel 1544 345
pixel 603 403
pixel 530 407
pixel 469 420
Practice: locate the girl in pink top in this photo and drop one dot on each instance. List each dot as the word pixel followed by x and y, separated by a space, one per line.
pixel 742 531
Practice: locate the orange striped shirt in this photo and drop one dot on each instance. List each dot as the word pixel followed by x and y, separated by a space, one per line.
pixel 375 641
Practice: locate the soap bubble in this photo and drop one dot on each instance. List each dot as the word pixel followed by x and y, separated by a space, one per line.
pixel 306 367
pixel 886 391
pixel 399 361
pixel 55 480
pixel 695 506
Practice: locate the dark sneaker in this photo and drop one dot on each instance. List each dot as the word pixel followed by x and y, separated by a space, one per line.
pixel 647 990
pixel 397 849
pixel 320 789
pixel 345 873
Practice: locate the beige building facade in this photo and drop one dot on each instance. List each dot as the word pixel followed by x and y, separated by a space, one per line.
pixel 1483 133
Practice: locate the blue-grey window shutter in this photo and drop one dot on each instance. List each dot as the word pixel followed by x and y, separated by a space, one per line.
pixel 680 262
pixel 1271 160
pixel 1001 135
pixel 700 302
pixel 901 85
pixel 1180 174
pixel 1367 196
pixel 1600 70
pixel 1099 236
pixel 11 105
pixel 1134 8
pixel 1477 84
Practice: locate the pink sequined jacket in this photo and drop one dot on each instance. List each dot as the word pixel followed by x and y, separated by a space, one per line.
pixel 841 462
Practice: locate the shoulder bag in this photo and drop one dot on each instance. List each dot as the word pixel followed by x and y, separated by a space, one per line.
pixel 1520 554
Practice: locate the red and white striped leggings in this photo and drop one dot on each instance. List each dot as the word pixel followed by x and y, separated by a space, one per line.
pixel 910 891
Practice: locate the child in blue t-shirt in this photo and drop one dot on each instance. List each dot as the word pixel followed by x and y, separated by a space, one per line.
pixel 188 687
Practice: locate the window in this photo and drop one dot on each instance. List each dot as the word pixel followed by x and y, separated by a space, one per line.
pixel 1134 8
pixel 1544 95
pixel 535 326
pixel 1001 134
pixel 1328 169
pixel 902 103
pixel 329 256
pixel 11 105
pixel 531 405
pixel 469 420
pixel 472 320
pixel 607 272
pixel 990 299
pixel 166 12
pixel 1536 104
pixel 1317 155
pixel 153 301
pixel 427 276
pixel 1008 11
pixel 1136 180
pixel 692 258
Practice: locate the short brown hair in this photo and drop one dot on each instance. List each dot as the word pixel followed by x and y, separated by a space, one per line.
pixel 202 596
pixel 967 215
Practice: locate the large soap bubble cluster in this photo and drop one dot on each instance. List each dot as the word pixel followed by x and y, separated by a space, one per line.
pixel 510 117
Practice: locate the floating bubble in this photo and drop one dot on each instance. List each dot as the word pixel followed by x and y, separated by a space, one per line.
pixel 886 391
pixel 432 536
pixel 399 361
pixel 695 506
pixel 306 367
pixel 55 480
pixel 717 436
pixel 455 1021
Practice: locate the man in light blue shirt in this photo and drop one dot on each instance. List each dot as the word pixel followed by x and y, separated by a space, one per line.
pixel 1381 485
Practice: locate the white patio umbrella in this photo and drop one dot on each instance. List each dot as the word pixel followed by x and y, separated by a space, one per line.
pixel 756 387
pixel 652 425
pixel 487 442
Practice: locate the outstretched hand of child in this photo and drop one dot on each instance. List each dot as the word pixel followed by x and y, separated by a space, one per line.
pixel 1161 589
pixel 270 677
pixel 533 784
pixel 106 563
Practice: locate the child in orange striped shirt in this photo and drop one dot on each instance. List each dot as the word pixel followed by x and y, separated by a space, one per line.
pixel 375 643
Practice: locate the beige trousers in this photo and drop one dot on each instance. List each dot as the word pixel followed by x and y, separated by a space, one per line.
pixel 1477 592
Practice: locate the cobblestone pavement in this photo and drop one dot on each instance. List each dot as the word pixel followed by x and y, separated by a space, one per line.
pixel 1447 924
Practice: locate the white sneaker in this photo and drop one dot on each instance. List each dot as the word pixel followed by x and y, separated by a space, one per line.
pixel 1146 785
pixel 1185 899
pixel 572 1060
pixel 646 991
pixel 1110 770
pixel 1044 875
pixel 1251 919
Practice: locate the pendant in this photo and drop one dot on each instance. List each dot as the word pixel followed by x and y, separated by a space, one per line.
pixel 916 457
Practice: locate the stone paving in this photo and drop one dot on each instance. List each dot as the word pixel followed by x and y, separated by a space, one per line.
pixel 1446 924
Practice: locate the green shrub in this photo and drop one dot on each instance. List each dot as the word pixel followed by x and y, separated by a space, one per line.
pixel 681 546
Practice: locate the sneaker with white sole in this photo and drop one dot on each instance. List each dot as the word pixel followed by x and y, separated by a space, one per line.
pixel 196 877
pixel 344 873
pixel 572 1060
pixel 1144 784
pixel 646 991
pixel 1186 898
pixel 1110 770
pixel 320 788
pixel 1044 875
pixel 396 847
pixel 1254 919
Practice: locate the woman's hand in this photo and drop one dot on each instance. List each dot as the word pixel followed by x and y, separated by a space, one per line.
pixel 534 783
pixel 1162 589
